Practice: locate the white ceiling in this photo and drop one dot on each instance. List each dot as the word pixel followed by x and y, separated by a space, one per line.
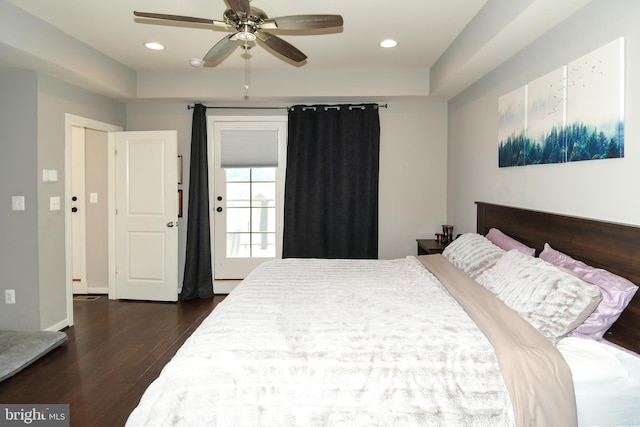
pixel 423 28
pixel 443 46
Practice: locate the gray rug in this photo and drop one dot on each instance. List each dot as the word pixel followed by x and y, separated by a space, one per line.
pixel 20 349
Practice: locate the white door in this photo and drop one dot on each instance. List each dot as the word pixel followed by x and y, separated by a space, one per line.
pixel 146 240
pixel 248 193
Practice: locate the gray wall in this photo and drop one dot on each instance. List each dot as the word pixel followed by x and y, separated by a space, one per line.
pixel 96 217
pixel 32 119
pixel 601 189
pixel 18 174
pixel 55 99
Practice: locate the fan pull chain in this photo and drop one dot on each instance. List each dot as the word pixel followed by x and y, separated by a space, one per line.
pixel 247 70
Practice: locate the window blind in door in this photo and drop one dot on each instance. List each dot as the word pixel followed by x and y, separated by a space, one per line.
pixel 242 148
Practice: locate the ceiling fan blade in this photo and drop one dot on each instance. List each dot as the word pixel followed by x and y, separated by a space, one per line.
pixel 240 7
pixel 221 48
pixel 282 47
pixel 172 17
pixel 304 22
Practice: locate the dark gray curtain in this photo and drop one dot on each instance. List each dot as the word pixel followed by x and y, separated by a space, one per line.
pixel 198 279
pixel 331 188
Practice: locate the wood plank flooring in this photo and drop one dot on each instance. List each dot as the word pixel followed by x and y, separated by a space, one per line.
pixel 114 351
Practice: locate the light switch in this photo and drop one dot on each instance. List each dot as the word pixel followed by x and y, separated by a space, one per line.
pixel 54 203
pixel 93 197
pixel 49 175
pixel 17 203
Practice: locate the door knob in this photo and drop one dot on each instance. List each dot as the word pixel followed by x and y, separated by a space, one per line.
pixel 74 209
pixel 219 198
pixel 170 224
pixel 74 198
pixel 218 209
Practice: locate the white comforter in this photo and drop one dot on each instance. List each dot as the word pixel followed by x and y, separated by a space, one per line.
pixel 332 343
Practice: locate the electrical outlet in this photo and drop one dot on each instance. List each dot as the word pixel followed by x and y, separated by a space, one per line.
pixel 9 296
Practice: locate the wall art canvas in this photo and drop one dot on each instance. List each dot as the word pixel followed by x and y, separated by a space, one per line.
pixel 573 113
pixel 595 104
pixel 511 130
pixel 546 118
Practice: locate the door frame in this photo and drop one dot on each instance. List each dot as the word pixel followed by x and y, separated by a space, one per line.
pixel 78 220
pixel 72 120
pixel 225 286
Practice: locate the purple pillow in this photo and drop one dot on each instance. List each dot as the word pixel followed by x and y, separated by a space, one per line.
pixel 616 292
pixel 507 243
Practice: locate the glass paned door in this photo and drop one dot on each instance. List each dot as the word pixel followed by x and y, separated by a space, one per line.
pixel 247 199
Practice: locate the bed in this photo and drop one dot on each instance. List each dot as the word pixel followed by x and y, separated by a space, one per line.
pixel 414 341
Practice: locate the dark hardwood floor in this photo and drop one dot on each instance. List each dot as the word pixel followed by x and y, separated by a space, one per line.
pixel 114 351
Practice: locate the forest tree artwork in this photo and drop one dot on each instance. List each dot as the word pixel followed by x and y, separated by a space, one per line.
pixel 573 113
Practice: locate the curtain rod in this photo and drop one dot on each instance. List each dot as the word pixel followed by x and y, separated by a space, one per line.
pixel 337 107
pixel 189 107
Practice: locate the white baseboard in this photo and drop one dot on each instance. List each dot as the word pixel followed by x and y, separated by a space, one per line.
pixel 79 286
pixel 58 326
pixel 94 290
pixel 224 286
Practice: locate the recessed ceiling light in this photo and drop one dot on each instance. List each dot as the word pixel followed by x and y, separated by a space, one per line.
pixel 154 45
pixel 195 62
pixel 388 43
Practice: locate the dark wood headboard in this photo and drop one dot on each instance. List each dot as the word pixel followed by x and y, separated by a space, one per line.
pixel 614 247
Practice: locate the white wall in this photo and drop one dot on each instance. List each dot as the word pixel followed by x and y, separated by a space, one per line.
pixel 413 159
pixel 601 189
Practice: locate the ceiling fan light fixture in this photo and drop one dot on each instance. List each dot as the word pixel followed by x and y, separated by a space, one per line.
pixel 246 36
pixel 388 43
pixel 246 33
pixel 153 46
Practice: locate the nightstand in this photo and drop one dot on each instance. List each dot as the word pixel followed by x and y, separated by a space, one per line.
pixel 430 246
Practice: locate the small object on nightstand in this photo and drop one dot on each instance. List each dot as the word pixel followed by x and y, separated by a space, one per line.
pixel 447 230
pixel 430 246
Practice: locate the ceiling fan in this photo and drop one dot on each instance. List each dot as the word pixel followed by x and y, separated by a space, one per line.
pixel 250 24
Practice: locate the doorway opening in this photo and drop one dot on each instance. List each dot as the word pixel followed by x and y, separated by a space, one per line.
pixel 88 166
pixel 89 211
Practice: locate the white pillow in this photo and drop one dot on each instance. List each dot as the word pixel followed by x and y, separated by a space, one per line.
pixel 553 301
pixel 472 253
